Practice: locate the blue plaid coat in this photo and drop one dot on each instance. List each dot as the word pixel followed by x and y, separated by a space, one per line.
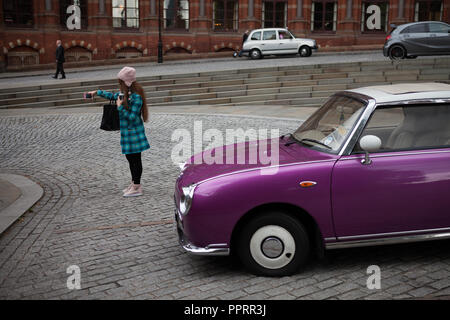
pixel 132 131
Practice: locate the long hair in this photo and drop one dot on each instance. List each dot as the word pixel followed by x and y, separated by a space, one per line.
pixel 134 88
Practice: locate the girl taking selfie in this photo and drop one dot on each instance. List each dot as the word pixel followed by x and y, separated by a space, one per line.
pixel 133 111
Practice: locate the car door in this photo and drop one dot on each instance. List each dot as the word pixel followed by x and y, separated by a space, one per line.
pixel 439 37
pixel 269 43
pixel 286 43
pixel 405 188
pixel 415 39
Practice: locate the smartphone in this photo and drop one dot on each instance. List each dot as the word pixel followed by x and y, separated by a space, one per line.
pixel 87 95
pixel 121 96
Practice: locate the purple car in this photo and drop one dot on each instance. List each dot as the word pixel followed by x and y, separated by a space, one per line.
pixel 370 167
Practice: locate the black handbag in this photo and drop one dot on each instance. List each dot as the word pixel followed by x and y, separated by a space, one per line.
pixel 110 119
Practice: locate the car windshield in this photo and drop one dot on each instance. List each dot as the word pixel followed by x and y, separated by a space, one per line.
pixel 328 128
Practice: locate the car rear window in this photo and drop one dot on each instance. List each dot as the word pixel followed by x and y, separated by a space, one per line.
pixel 416 28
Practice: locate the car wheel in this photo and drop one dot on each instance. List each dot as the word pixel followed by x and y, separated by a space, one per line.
pixel 397 52
pixel 304 51
pixel 255 54
pixel 273 244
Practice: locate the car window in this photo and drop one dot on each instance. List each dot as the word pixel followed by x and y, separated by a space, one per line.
pixel 284 35
pixel 270 35
pixel 256 36
pixel 416 28
pixel 410 127
pixel 438 28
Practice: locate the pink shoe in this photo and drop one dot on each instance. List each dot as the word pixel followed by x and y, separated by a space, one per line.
pixel 134 191
pixel 128 188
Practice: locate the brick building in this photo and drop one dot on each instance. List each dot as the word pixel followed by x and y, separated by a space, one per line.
pixel 113 29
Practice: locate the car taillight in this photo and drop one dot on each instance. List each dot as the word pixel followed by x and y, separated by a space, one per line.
pixel 388 38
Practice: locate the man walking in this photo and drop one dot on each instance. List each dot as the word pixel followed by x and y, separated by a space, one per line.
pixel 244 38
pixel 59 60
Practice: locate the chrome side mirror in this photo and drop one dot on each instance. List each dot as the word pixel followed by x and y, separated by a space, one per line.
pixel 369 143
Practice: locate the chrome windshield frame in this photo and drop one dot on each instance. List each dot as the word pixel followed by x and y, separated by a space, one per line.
pixel 348 145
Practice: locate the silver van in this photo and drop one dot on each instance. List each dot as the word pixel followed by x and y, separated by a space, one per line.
pixel 276 41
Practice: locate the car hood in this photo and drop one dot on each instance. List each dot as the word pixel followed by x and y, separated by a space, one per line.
pixel 200 166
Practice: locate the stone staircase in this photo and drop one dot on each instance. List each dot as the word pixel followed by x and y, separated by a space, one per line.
pixel 306 85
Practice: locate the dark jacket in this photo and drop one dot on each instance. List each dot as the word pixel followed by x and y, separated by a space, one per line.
pixel 244 38
pixel 60 54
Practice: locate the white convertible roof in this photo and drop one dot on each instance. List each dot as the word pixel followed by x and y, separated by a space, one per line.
pixel 406 91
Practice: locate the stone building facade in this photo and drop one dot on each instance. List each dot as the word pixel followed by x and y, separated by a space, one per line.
pixel 114 29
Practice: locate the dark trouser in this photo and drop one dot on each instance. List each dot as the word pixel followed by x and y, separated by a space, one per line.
pixel 135 162
pixel 60 69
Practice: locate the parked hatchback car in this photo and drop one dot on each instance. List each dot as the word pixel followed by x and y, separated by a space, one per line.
pixel 417 39
pixel 370 167
pixel 276 41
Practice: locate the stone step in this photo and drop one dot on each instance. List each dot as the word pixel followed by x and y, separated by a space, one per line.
pixel 192 94
pixel 186 83
pixel 234 93
pixel 426 64
pixel 298 102
pixel 199 87
pixel 239 84
pixel 249 98
pixel 66 93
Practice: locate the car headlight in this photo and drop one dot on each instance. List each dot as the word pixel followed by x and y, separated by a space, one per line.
pixel 186 198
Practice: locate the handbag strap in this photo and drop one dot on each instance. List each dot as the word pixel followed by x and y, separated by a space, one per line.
pixel 111 99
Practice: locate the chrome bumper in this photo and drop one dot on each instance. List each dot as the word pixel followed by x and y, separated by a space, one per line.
pixel 209 250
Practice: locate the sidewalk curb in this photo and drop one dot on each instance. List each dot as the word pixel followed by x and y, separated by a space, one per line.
pixel 31 192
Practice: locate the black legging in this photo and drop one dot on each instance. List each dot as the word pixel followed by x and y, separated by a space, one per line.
pixel 135 162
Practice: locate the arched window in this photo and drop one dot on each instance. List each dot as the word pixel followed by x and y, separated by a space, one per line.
pixel 64 16
pixel 18 13
pixel 176 14
pixel 125 13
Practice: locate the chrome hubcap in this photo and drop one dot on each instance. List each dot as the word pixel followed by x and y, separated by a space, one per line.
pixel 272 247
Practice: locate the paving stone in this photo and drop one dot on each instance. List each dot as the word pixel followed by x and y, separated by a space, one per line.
pixel 421 292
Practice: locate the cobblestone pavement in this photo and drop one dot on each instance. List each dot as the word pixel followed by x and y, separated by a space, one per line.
pixel 128 249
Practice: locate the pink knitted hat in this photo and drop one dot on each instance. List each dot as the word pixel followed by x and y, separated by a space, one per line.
pixel 127 75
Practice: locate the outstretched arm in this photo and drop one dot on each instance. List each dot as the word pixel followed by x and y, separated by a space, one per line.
pixel 105 94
